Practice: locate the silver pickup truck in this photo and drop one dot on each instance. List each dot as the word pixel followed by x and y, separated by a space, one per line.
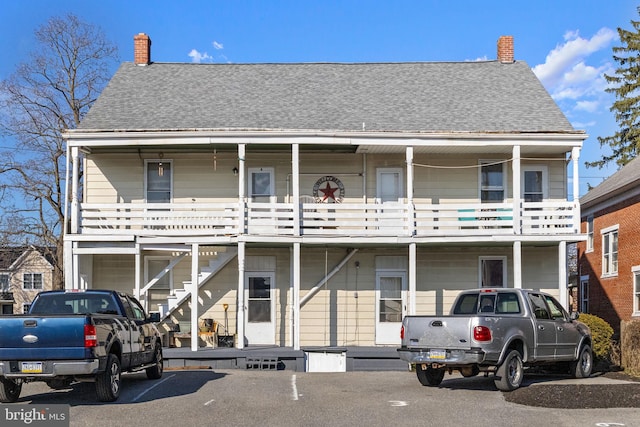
pixel 498 331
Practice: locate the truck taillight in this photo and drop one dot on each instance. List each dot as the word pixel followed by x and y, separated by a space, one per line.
pixel 402 332
pixel 481 333
pixel 90 337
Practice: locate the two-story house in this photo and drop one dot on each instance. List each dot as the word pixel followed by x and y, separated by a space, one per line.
pixel 609 260
pixel 316 204
pixel 24 271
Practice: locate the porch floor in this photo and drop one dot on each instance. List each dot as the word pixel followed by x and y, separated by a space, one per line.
pixel 281 358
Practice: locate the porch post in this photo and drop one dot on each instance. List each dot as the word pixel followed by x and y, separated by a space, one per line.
pixel 69 278
pixel 411 227
pixel 517 264
pixel 575 156
pixel 195 250
pixel 240 317
pixel 75 210
pixel 241 189
pixel 136 279
pixel 295 304
pixel 295 172
pixel 517 202
pixel 562 273
pixel 412 278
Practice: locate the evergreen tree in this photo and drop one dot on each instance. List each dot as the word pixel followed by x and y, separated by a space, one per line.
pixel 625 143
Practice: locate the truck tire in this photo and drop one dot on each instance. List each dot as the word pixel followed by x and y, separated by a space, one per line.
pixel 155 372
pixel 431 377
pixel 581 368
pixel 9 390
pixel 108 382
pixel 510 372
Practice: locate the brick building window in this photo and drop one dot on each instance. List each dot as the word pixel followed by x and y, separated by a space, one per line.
pixel 610 251
pixel 32 281
pixel 636 289
pixel 590 233
pixel 584 294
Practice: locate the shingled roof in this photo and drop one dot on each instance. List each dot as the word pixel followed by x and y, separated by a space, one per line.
pixel 624 180
pixel 483 96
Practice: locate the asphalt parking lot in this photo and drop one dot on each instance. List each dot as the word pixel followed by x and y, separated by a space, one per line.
pixel 285 398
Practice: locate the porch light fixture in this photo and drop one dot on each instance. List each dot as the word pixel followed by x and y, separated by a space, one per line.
pixel 235 171
pixel 160 167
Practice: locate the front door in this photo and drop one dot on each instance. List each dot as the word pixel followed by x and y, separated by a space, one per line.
pixel 389 193
pixel 260 325
pixel 391 306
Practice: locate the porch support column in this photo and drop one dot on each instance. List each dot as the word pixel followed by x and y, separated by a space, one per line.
pixel 195 250
pixel 411 225
pixel 517 202
pixel 412 278
pixel 138 275
pixel 575 156
pixel 295 170
pixel 517 264
pixel 295 304
pixel 241 312
pixel 69 261
pixel 241 189
pixel 75 207
pixel 562 274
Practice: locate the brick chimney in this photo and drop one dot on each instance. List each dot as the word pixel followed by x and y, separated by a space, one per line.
pixel 505 49
pixel 141 49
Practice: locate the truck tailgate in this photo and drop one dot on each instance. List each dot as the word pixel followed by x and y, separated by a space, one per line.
pixel 444 332
pixel 37 338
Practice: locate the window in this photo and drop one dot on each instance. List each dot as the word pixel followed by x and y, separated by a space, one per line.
pixel 261 184
pixel 32 281
pixel 610 251
pixel 158 180
pixel 7 309
pixel 584 294
pixel 590 233
pixel 25 308
pixel 636 288
pixel 534 183
pixel 493 272
pixel 4 282
pixel 492 182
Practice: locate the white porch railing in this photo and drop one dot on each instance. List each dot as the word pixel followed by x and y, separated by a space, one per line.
pixel 319 219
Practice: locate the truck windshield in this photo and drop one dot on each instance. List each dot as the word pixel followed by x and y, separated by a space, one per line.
pixel 65 303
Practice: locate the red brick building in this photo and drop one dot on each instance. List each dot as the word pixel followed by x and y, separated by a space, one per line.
pixel 609 261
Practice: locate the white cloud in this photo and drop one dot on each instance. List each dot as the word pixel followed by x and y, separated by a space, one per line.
pixel 217 46
pixel 199 56
pixel 568 76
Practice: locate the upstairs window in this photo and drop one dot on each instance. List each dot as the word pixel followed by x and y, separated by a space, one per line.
pixel 4 282
pixel 32 281
pixel 492 182
pixel 610 251
pixel 590 233
pixel 158 181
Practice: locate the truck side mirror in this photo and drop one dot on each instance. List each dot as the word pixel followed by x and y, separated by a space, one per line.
pixel 575 315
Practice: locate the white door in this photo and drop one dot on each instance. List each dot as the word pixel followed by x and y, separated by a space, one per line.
pixel 260 327
pixel 391 306
pixel 389 192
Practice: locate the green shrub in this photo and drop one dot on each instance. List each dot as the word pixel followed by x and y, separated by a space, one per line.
pixel 601 333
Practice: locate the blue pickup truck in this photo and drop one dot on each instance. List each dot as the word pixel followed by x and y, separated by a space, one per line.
pixel 67 336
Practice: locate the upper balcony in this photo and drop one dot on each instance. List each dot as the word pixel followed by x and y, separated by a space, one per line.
pixel 350 220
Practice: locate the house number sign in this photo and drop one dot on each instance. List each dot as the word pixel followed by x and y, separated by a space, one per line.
pixel 328 189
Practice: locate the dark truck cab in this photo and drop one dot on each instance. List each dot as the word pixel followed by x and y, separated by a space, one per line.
pixel 91 335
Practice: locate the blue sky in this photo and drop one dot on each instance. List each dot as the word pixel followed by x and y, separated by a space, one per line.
pixel 566 42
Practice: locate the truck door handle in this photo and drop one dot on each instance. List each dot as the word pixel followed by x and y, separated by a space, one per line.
pixel 541 327
pixel 560 328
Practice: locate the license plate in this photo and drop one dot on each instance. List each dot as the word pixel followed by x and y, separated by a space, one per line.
pixel 31 367
pixel 437 354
